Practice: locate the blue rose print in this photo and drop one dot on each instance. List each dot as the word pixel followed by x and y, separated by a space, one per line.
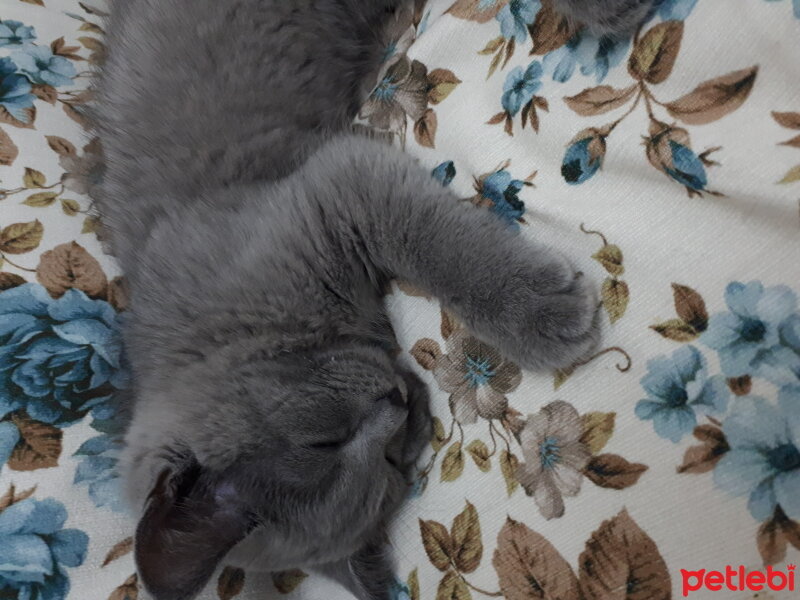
pixel 444 173
pixel 53 353
pixel 515 17
pixel 763 462
pixel 750 337
pixel 584 156
pixel 678 387
pixel 520 86
pixel 40 65
pixel 14 33
pixel 99 456
pixel 687 168
pixel 503 191
pixel 15 90
pixel 35 549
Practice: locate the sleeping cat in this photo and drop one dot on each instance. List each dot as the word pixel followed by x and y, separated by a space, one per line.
pixel 272 423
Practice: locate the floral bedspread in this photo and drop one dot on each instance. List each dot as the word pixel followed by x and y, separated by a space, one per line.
pixel 667 165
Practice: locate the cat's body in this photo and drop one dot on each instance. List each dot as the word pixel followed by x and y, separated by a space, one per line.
pixel 270 415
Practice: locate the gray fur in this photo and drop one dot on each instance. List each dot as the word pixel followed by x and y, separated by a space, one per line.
pixel 606 17
pixel 271 419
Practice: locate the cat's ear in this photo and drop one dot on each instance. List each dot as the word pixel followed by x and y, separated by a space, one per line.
pixel 186 529
pixel 367 574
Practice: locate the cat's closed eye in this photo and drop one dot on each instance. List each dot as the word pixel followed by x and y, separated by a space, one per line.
pixel 331 444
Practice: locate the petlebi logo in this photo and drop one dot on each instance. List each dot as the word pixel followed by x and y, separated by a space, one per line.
pixel 738 580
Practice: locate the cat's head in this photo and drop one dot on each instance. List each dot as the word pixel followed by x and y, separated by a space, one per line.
pixel 276 463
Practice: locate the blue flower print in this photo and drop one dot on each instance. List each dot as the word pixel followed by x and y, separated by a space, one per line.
pixel 675 10
pixel 520 86
pixel 40 65
pixel 14 33
pixel 678 387
pixel 58 357
pixel 503 192
pixel 444 173
pixel 747 336
pixel 593 55
pixel 35 549
pixel 515 17
pixel 763 462
pixel 781 364
pixel 687 167
pixel 15 90
pixel 399 591
pixel 584 156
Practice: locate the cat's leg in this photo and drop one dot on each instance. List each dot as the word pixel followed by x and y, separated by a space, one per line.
pixel 520 296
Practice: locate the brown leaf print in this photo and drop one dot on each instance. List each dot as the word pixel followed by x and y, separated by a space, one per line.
pixel 790 120
pixel 449 324
pixel 452 587
pixel 230 583
pixel 480 455
pixel 75 115
pixel 714 99
pixel 39 446
pixel 441 82
pixel 287 581
pixel 12 497
pixel 550 30
pixel 70 207
pixel 425 129
pixel 466 536
pixel 27 123
pixel 676 329
pixel 413 585
pixel 61 146
pixel 439 438
pixel 8 149
pixel 740 386
pixel 792 175
pixel 426 352
pixel 476 10
pixel 690 306
pixel 613 471
pixel 599 100
pixel 771 542
pixel 703 458
pixel 792 143
pixel 597 430
pixel 128 590
pixel 615 296
pixel 654 55
pixel 530 568
pixel 453 463
pixel 119 550
pixel 19 238
pixel 610 256
pixel 437 542
pixel 621 562
pixel 41 199
pixel 33 178
pixel 10 280
pixel 45 92
pixel 508 466
pixel 71 266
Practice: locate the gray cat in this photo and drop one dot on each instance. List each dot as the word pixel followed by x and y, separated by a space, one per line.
pixel 272 423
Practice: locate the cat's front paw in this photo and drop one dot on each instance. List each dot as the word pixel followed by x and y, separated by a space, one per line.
pixel 545 318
